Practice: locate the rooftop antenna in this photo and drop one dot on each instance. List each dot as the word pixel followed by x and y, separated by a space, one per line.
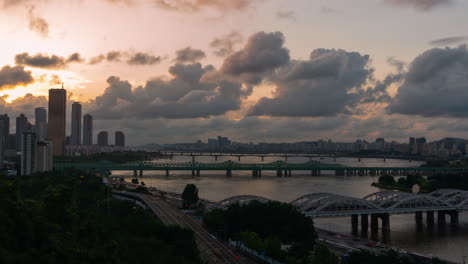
pixel 62 86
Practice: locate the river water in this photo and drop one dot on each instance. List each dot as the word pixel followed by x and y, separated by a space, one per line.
pixel 447 242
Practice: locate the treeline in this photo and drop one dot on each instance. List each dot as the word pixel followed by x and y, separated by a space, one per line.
pixel 428 184
pixel 115 157
pixel 266 226
pixel 66 217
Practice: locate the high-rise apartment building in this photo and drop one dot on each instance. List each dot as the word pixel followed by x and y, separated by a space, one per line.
pixel 22 125
pixel 102 138
pixel 44 156
pixel 4 131
pixel 57 120
pixel 87 129
pixel 41 123
pixel 75 138
pixel 119 139
pixel 28 153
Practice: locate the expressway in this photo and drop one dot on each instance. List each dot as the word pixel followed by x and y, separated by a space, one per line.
pixel 210 248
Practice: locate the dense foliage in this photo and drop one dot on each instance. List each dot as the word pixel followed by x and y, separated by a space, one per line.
pixel 386 257
pixel 114 157
pixel 428 184
pixel 270 222
pixel 67 218
pixel 190 196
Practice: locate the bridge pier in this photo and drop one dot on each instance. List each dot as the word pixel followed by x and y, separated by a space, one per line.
pixel 198 173
pixel 419 218
pixel 229 173
pixel 193 172
pixel 441 217
pixel 454 218
pixel 374 223
pixel 135 173
pixel 216 158
pixel 430 218
pixel 263 158
pixel 167 173
pixel 385 222
pixel 141 173
pixel 279 173
pixel 364 223
pixel 354 223
pixel 259 173
pixel 238 158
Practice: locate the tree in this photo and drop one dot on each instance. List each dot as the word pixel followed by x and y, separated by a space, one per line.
pixel 190 196
pixel 386 180
pixel 323 255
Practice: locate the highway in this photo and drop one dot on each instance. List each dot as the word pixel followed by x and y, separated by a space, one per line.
pixel 210 248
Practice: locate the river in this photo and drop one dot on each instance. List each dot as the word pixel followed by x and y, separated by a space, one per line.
pixel 447 242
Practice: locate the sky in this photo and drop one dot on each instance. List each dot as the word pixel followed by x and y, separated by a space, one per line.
pixel 166 71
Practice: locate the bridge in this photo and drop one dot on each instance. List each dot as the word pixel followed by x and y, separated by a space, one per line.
pixel 280 167
pixel 379 205
pixel 285 156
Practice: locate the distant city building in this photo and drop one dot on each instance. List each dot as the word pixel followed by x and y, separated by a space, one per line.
pixel 102 138
pixel 28 153
pixel 22 125
pixel 87 129
pixel 119 139
pixel 75 138
pixel 44 156
pixel 4 131
pixel 56 129
pixel 40 126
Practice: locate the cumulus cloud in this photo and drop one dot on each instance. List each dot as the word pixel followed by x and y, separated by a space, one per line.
pixel 448 41
pixel 189 55
pixel 438 81
pixel 38 24
pixel 197 5
pixel 423 5
pixel 141 58
pixel 14 76
pixel 224 45
pixel 25 105
pixel 329 83
pixel 46 61
pixel 263 53
pixel 194 91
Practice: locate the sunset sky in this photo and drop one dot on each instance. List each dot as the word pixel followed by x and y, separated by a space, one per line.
pixel 166 71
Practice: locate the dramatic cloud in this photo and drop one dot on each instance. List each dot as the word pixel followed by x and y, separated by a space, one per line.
pixel 14 76
pixel 194 91
pixel 197 5
pixel 329 83
pixel 424 5
pixel 45 61
pixel 435 85
pixel 22 105
pixel 141 58
pixel 189 55
pixel 448 41
pixel 263 53
pixel 224 45
pixel 38 24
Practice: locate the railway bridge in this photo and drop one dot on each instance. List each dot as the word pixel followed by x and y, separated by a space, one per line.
pixel 379 205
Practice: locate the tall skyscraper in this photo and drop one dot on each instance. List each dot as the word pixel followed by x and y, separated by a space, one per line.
pixel 119 139
pixel 41 123
pixel 44 157
pixel 4 131
pixel 102 138
pixel 75 138
pixel 57 119
pixel 22 125
pixel 87 129
pixel 28 153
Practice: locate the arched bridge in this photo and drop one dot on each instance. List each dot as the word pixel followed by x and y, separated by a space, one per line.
pixel 378 205
pixel 390 202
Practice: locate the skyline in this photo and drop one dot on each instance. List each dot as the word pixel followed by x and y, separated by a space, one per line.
pixel 251 70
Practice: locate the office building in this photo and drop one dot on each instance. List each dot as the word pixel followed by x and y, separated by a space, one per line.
pixel 28 153
pixel 4 131
pixel 102 138
pixel 87 130
pixel 75 138
pixel 119 139
pixel 22 125
pixel 57 119
pixel 41 123
pixel 44 156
